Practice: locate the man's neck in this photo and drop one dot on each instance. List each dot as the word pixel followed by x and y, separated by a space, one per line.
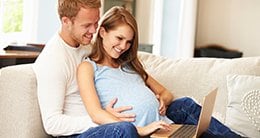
pixel 67 39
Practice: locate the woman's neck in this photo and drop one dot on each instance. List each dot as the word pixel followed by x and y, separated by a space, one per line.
pixel 108 62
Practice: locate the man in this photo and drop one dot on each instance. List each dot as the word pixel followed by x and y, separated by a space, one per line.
pixel 62 110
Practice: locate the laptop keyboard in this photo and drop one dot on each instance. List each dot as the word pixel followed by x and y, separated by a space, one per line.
pixel 185 131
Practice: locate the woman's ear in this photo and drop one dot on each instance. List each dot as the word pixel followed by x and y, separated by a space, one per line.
pixel 102 32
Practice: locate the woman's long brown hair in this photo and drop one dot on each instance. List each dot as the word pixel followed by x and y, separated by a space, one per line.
pixel 111 20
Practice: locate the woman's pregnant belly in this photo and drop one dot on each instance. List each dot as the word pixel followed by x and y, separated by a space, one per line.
pixel 143 101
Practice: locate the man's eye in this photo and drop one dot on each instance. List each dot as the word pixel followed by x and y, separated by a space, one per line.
pixel 86 26
pixel 119 38
pixel 96 25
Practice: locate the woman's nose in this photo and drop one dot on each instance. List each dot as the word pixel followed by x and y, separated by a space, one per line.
pixel 124 45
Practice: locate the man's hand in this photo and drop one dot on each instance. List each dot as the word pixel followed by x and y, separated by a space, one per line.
pixel 117 112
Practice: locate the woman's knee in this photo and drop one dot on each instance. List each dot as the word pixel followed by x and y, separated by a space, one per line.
pixel 182 101
pixel 188 100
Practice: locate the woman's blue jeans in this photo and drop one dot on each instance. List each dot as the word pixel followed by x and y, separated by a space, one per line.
pixel 113 130
pixel 187 111
pixel 180 111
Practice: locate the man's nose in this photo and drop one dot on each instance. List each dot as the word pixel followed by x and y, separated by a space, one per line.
pixel 93 29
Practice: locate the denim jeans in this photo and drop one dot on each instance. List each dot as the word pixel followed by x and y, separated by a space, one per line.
pixel 113 130
pixel 186 111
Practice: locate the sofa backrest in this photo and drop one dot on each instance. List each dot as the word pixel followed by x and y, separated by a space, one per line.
pixel 195 77
pixel 20 115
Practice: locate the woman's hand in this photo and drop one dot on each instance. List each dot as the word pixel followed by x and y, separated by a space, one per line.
pixel 162 107
pixel 117 112
pixel 146 130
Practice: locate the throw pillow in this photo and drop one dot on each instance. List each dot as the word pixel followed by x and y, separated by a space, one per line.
pixel 239 116
pixel 251 106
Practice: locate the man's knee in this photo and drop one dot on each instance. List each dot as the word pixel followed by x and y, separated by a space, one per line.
pixel 128 129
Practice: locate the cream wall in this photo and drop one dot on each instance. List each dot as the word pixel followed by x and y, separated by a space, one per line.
pixel 144 19
pixel 234 24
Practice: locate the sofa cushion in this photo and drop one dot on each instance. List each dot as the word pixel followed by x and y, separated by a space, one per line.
pixel 242 109
pixel 18 103
pixel 251 106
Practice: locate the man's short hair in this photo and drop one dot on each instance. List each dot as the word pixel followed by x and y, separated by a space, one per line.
pixel 70 8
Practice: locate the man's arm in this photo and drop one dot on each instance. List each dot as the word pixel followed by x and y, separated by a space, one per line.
pixel 51 88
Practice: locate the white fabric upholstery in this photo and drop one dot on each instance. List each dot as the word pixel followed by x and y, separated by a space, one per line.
pixel 251 106
pixel 185 77
pixel 20 115
pixel 243 106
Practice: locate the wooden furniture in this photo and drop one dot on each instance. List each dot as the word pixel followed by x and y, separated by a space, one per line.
pixel 11 54
pixel 14 57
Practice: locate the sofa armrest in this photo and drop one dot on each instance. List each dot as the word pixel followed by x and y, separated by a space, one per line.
pixel 19 107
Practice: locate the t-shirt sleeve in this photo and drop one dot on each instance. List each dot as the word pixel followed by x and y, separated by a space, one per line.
pixel 51 88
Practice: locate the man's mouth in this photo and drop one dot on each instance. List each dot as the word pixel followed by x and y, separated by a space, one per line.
pixel 88 36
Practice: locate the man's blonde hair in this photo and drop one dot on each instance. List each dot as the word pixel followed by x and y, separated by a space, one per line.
pixel 70 8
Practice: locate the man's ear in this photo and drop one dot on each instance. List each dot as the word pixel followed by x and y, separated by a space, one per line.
pixel 102 32
pixel 65 21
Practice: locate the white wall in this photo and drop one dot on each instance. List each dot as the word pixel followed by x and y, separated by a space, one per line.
pixel 170 27
pixel 178 28
pixel 47 22
pixel 167 41
pixel 234 24
pixel 163 35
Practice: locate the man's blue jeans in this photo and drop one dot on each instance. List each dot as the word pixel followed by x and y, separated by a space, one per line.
pixel 187 111
pixel 113 130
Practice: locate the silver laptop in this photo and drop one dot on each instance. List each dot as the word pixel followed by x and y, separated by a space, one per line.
pixel 190 131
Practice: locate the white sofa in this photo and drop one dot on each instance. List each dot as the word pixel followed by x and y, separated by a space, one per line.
pixel 193 77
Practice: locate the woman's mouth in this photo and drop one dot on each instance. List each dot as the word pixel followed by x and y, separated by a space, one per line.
pixel 118 50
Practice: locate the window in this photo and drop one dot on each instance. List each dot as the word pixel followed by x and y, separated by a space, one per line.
pixel 16 19
pixel 12 16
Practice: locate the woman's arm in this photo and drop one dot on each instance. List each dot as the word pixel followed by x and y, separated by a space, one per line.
pixel 164 95
pixel 85 74
pixel 152 127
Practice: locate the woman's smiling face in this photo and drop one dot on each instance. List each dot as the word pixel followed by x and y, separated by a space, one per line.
pixel 118 40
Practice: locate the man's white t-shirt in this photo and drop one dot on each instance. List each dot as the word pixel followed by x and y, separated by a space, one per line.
pixel 62 110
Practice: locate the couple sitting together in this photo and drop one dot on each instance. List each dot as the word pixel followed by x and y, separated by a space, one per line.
pixel 105 91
